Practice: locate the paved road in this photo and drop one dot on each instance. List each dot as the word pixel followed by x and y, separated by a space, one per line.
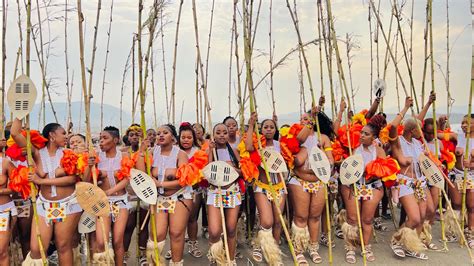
pixel 456 256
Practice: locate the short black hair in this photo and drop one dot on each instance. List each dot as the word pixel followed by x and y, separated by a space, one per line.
pixel 113 131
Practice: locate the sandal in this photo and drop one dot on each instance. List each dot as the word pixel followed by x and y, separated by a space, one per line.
pixel 168 255
pixel 193 249
pixel 314 254
pixel 378 225
pixel 338 232
pixel 205 233
pixel 432 246
pixel 450 238
pixel 416 255
pixel 324 240
pixel 301 259
pixel 369 254
pixel 350 256
pixel 398 250
pixel 257 254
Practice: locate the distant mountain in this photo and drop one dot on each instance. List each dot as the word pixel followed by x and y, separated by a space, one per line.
pixel 111 115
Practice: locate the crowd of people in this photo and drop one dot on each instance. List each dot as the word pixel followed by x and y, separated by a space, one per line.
pixel 392 177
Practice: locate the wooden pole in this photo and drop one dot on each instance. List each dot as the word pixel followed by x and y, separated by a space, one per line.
pixel 4 58
pixel 467 149
pixel 87 98
pixel 405 53
pixel 229 96
pixel 248 63
pixel 328 54
pixel 142 91
pixel 122 87
pixel 341 74
pixel 66 57
pixel 449 100
pixel 175 55
pixel 237 68
pixel 33 192
pixel 271 47
pixel 435 126
pixel 105 65
pixel 164 66
pixel 425 64
pixel 209 119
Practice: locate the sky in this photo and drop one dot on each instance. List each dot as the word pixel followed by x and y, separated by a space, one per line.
pixel 351 17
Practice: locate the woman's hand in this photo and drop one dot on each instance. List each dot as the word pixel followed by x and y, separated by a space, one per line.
pixel 34 178
pixel 91 161
pixel 144 145
pixel 212 145
pixel 253 119
pixel 408 102
pixel 158 183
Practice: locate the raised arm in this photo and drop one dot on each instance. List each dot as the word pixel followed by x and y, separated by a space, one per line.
pixel 337 122
pixel 15 132
pixel 249 141
pixel 424 111
pixel 373 108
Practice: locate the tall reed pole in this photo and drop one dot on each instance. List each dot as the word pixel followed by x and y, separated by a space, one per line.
pixel 371 51
pixel 328 54
pixel 240 99
pixel 405 53
pixel 175 56
pixel 321 71
pixel 229 96
pixel 142 91
pixel 425 64
pixel 248 63
pixel 4 58
pixel 449 100
pixel 164 66
pixel 109 30
pixel 87 98
pixel 435 126
pixel 94 49
pixel 20 35
pixel 122 87
pixel 66 58
pixel 152 68
pixel 270 56
pixel 28 137
pixel 341 76
pixel 208 109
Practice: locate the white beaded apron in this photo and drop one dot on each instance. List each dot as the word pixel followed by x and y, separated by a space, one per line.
pixel 413 149
pixel 365 191
pixel 165 204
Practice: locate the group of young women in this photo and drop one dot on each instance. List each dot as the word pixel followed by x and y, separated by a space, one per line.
pixel 390 153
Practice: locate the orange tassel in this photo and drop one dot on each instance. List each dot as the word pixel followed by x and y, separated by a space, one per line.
pixel 19 181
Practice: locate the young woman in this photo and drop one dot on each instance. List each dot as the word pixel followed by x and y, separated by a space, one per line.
pixel 233 127
pixel 306 190
pixel 412 186
pixel 25 212
pixel 110 159
pixel 133 135
pixel 57 191
pixel 174 202
pixel 458 178
pixel 77 143
pixel 204 144
pixel 151 136
pixel 269 233
pixel 373 188
pixel 8 211
pixel 225 153
pixel 188 143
